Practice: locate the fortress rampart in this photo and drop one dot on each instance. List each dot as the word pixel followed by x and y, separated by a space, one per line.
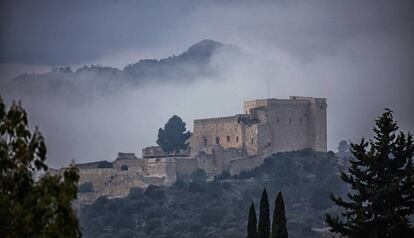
pixel 233 143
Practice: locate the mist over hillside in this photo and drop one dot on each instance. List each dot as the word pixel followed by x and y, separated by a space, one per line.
pixel 94 112
pixel 87 81
pixel 357 55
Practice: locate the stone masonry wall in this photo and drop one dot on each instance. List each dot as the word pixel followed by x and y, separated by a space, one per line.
pixel 236 143
pixel 161 168
pixel 225 131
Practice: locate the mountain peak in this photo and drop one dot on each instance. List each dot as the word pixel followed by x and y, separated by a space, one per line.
pixel 205 44
pixel 204 49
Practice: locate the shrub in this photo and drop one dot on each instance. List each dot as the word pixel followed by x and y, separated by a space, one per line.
pixel 199 176
pixel 154 192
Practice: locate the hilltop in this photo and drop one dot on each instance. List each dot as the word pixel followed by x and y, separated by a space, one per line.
pixel 193 207
pixel 193 63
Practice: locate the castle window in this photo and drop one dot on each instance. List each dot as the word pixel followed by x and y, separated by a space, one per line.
pixel 237 139
pixel 217 140
pixel 228 138
pixel 205 141
pixel 124 167
pixel 252 140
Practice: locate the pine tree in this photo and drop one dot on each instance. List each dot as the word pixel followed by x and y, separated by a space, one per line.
pixel 279 229
pixel 382 180
pixel 264 217
pixel 174 136
pixel 252 223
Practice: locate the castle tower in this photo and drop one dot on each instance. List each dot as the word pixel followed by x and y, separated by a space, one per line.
pixel 290 124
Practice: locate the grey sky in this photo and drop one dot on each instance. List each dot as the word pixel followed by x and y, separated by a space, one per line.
pixel 358 54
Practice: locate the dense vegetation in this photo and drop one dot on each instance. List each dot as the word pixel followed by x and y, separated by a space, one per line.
pixel 382 179
pixel 219 208
pixel 32 205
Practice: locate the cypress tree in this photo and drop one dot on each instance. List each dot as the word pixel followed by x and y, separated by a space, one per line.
pixel 279 229
pixel 382 179
pixel 252 223
pixel 264 217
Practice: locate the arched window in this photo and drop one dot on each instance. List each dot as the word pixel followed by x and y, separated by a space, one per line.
pixel 124 167
pixel 205 141
pixel 228 138
pixel 217 140
pixel 237 139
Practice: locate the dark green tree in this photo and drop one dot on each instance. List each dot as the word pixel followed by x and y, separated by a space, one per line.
pixel 382 179
pixel 33 203
pixel 173 137
pixel 264 217
pixel 199 176
pixel 252 223
pixel 279 229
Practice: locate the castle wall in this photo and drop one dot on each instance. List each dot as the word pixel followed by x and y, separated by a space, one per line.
pixel 245 164
pixel 186 165
pixel 108 182
pixel 225 131
pixel 206 162
pixel 250 139
pixel 248 105
pixel 152 151
pixel 287 125
pixel 132 164
pixel 319 127
pixel 223 156
pixel 235 144
pixel 161 168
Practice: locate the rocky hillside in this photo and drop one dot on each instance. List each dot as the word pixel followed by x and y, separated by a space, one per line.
pixel 194 207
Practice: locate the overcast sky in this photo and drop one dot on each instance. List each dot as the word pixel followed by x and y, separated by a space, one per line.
pixel 357 54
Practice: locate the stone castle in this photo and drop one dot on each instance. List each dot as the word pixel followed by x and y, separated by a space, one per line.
pixel 234 144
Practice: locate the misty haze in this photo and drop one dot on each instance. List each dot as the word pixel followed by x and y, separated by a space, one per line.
pixel 183 117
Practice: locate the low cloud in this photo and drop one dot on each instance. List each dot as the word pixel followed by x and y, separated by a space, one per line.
pixel 358 55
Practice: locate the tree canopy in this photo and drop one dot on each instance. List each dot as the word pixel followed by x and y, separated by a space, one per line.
pixel 263 229
pixel 382 180
pixel 279 229
pixel 33 203
pixel 252 223
pixel 173 137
